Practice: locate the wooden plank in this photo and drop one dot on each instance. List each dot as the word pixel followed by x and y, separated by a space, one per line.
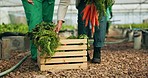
pixel 63 66
pixel 70 53
pixel 72 47
pixel 63 60
pixel 72 41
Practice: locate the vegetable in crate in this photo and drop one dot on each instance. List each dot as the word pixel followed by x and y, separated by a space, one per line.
pixel 44 37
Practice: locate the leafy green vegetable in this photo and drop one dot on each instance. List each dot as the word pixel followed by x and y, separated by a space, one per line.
pixel 44 37
pixel 82 36
pixel 21 28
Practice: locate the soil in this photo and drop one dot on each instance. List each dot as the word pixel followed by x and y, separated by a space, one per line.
pixel 117 61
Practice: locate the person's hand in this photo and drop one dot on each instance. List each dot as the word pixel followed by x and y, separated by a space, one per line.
pixel 30 2
pixel 58 26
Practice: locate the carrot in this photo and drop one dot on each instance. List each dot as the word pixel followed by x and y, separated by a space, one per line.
pixel 93 23
pixel 87 18
pixel 85 11
pixel 95 14
pixel 96 20
pixel 90 14
pixel 92 9
pixel 93 20
pixel 93 29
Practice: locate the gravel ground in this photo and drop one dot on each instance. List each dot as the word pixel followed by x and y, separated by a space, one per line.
pixel 118 61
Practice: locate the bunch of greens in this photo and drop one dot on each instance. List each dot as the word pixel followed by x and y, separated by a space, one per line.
pixel 44 37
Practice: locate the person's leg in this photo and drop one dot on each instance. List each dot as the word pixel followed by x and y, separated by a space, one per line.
pixel 81 24
pixel 34 17
pixel 99 39
pixel 48 9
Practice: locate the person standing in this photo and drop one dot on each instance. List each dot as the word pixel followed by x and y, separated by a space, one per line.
pixel 100 31
pixel 37 11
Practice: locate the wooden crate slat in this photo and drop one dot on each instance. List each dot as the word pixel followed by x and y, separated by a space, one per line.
pixel 73 41
pixel 68 53
pixel 63 60
pixel 63 66
pixel 72 47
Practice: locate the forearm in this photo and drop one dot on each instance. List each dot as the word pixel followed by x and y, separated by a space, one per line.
pixel 62 9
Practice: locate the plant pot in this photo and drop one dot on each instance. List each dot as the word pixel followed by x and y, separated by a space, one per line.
pixel 124 33
pixel 137 39
pixel 130 35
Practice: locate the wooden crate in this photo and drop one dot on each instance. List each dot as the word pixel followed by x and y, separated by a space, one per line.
pixel 71 54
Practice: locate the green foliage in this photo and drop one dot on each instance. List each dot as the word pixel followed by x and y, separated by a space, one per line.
pixel 126 26
pixel 67 27
pixel 21 28
pixel 109 3
pixel 44 37
pixel 100 4
pixel 139 26
pixel 82 36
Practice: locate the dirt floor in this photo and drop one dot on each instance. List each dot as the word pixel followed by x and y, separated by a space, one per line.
pixel 118 61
